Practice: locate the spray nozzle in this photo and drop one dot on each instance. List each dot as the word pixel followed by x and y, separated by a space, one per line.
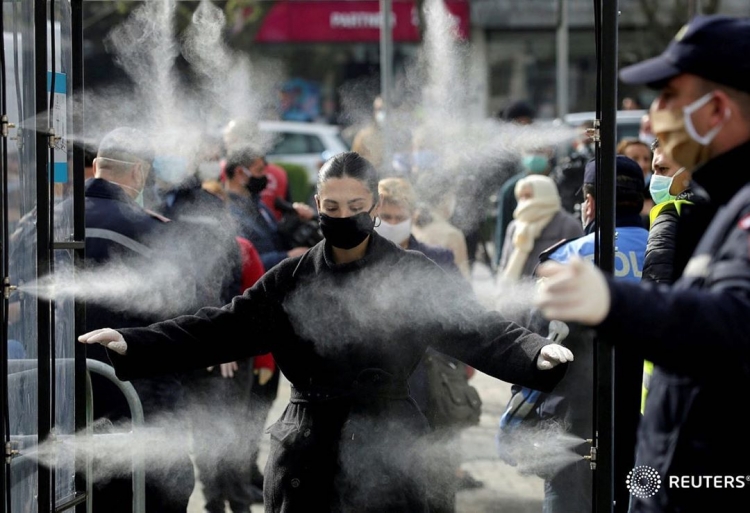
pixel 10 452
pixel 591 456
pixel 8 288
pixel 5 125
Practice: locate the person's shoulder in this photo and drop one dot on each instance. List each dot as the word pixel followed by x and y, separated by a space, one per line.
pixel 563 250
pixel 569 220
pixel 664 213
pixel 433 251
pixel 275 169
pixel 510 183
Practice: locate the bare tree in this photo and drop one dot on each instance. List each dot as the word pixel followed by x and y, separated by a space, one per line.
pixel 244 17
pixel 664 18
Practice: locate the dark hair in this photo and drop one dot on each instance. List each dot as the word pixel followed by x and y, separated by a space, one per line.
pixel 241 157
pixel 352 165
pixel 517 109
pixel 628 200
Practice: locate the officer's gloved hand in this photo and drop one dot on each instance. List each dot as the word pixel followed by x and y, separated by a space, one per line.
pixel 107 337
pixel 576 291
pixel 552 355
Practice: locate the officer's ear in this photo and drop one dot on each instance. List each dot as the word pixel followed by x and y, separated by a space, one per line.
pixel 722 108
pixel 139 173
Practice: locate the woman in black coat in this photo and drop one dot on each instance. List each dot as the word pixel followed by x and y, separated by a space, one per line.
pixel 347 323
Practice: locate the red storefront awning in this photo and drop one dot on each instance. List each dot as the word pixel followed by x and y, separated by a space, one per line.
pixel 346 21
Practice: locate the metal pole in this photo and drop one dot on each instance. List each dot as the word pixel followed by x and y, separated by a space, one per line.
pixel 40 125
pixel 83 480
pixel 563 77
pixel 136 415
pixel 386 70
pixel 605 215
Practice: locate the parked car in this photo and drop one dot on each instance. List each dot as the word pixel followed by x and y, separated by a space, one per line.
pixel 306 144
pixel 628 121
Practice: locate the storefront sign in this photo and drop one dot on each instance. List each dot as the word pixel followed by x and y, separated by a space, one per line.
pixel 342 21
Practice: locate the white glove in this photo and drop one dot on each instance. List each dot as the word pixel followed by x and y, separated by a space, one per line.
pixel 552 355
pixel 107 337
pixel 576 291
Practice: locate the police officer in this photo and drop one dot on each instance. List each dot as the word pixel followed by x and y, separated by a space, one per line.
pixel 570 488
pixel 119 229
pixel 697 332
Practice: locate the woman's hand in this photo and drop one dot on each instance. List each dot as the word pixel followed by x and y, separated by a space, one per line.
pixel 107 337
pixel 553 355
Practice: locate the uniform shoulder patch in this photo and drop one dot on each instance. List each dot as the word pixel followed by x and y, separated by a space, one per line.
pixel 157 215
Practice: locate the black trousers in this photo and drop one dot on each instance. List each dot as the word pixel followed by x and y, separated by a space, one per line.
pixel 219 413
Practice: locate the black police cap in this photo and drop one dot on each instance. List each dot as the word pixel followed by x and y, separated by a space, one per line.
pixel 629 174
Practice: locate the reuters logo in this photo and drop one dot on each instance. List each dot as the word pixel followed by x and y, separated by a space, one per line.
pixel 643 482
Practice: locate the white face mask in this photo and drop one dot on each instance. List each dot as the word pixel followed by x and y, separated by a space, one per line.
pixel 396 233
pixel 688 110
pixel 139 192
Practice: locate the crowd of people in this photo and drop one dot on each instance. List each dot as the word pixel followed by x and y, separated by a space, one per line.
pixel 358 319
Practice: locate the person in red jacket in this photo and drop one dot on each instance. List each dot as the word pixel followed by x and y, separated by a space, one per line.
pixel 220 409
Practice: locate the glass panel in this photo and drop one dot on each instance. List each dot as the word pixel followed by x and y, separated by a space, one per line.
pixel 62 172
pixel 22 320
pixel 315 144
pixel 64 382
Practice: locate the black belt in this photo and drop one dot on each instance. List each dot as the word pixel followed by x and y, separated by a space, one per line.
pixel 370 384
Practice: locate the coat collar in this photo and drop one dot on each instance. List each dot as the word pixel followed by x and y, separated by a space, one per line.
pixel 724 175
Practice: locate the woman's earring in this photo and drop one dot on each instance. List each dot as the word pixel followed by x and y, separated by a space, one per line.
pixel 378 221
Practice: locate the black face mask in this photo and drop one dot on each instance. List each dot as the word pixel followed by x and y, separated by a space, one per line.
pixel 256 185
pixel 347 232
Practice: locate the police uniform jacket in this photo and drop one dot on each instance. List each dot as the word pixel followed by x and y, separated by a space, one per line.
pixel 697 334
pixel 119 231
pixel 347 336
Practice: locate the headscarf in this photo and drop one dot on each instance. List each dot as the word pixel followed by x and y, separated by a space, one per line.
pixel 531 217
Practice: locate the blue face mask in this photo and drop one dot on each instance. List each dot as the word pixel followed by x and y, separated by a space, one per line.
pixel 659 188
pixel 536 164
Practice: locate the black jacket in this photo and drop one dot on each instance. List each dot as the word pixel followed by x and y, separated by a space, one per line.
pixel 662 263
pixel 347 336
pixel 122 235
pixel 696 333
pixel 203 221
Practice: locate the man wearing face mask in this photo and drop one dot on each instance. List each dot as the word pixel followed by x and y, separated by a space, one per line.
pixel 673 194
pixel 696 331
pixel 245 180
pixel 118 228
